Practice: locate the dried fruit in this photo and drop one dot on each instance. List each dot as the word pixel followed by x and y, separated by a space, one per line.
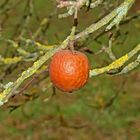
pixel 69 70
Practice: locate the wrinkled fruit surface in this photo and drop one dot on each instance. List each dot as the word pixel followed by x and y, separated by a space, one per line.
pixel 69 70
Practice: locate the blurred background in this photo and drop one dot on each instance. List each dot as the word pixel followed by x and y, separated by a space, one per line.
pixel 106 108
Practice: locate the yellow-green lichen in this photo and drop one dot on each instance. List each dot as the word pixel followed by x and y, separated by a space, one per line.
pixel 114 65
pixel 10 60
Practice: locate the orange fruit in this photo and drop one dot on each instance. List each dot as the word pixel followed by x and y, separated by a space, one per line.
pixel 69 70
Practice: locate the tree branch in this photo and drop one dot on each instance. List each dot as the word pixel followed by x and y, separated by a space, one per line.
pixel 119 63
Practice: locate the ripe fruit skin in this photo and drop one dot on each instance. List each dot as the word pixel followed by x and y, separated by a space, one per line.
pixel 69 70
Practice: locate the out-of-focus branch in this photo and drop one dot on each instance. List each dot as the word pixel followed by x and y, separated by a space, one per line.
pixel 6 7
pixel 10 60
pixel 73 6
pixel 27 17
pixel 95 4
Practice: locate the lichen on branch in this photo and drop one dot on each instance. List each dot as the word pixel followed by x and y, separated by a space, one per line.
pixel 119 63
